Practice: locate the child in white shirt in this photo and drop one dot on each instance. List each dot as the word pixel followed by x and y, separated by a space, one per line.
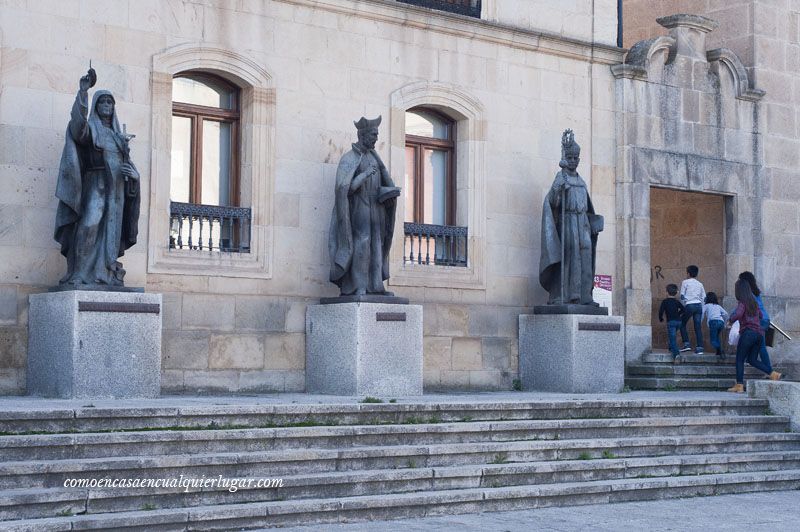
pixel 692 296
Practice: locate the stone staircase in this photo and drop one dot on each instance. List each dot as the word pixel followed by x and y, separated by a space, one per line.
pixel 365 461
pixel 696 372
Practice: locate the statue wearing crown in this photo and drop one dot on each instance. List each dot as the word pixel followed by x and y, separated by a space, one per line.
pixel 569 233
pixel 362 222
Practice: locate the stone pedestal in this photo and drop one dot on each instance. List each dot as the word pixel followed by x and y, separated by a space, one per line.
pixel 364 349
pixel 572 353
pixel 89 344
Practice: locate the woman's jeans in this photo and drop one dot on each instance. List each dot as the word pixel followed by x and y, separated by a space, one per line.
pixel 672 333
pixel 763 350
pixel 715 327
pixel 747 349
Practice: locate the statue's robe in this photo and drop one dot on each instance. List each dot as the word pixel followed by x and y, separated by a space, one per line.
pixel 97 216
pixel 579 236
pixel 361 227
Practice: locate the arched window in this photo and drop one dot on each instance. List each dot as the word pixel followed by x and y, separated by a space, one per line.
pixel 210 87
pixel 430 168
pixel 205 138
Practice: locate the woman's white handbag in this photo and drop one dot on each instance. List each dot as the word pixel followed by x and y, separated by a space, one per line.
pixel 733 335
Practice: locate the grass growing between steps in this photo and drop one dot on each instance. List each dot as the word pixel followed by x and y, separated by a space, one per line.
pixel 500 458
pixel 310 422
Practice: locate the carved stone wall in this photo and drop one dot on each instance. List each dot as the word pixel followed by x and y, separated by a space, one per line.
pixel 689 119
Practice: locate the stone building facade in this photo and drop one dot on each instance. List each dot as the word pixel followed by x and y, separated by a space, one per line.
pixel 509 82
pixel 744 145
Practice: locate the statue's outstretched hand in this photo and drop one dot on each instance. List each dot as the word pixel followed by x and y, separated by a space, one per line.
pixel 88 80
pixel 129 171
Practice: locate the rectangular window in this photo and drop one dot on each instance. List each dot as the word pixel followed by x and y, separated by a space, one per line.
pixel 430 201
pixel 470 8
pixel 204 192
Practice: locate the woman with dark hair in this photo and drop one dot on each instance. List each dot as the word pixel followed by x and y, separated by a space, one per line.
pixel 751 280
pixel 751 334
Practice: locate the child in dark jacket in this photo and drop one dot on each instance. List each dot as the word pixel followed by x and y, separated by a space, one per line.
pixel 749 316
pixel 673 310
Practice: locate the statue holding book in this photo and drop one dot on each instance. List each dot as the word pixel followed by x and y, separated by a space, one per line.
pixel 569 233
pixel 363 218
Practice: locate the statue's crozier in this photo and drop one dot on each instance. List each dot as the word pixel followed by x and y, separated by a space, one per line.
pixel 98 192
pixel 569 233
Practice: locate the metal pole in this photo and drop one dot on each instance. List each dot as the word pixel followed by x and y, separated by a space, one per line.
pixel 563 224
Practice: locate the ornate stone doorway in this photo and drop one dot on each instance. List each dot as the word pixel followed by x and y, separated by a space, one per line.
pixel 690 123
pixel 685 228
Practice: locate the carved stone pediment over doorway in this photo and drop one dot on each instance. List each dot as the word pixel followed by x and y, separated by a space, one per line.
pixel 690 120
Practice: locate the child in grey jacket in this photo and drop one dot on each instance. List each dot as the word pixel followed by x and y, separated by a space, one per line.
pixel 716 316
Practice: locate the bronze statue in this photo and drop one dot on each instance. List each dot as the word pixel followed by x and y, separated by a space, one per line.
pixel 569 233
pixel 362 222
pixel 98 192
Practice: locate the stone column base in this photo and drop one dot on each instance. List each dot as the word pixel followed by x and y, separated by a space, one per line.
pixel 90 344
pixel 364 349
pixel 572 353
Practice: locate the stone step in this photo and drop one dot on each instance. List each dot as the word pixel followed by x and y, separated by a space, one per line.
pixel 153 443
pixel 686 370
pixel 27 419
pixel 43 503
pixel 690 358
pixel 418 504
pixel 679 383
pixel 272 464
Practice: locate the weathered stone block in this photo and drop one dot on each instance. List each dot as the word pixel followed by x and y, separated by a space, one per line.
pixel 294 381
pixel 483 321
pixel 75 352
pixel 236 351
pixel 13 342
pixel 466 354
pixel 8 305
pixel 454 380
pixel 211 381
pixel 172 303
pixel 215 312
pixel 258 313
pixel 572 353
pixel 364 349
pixel 265 381
pixel 638 341
pixel 498 353
pixel 485 380
pixel 436 352
pixel 447 320
pixel 186 350
pixel 285 351
pixel 784 398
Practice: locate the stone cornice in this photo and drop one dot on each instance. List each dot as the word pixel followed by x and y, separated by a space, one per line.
pixel 392 12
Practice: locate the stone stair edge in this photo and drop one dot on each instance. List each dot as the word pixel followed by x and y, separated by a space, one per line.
pixel 396 501
pixel 152 436
pixel 358 408
pixel 293 455
pixel 11 495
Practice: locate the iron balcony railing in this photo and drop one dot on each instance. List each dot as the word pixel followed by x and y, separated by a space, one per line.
pixel 444 245
pixel 470 8
pixel 209 227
